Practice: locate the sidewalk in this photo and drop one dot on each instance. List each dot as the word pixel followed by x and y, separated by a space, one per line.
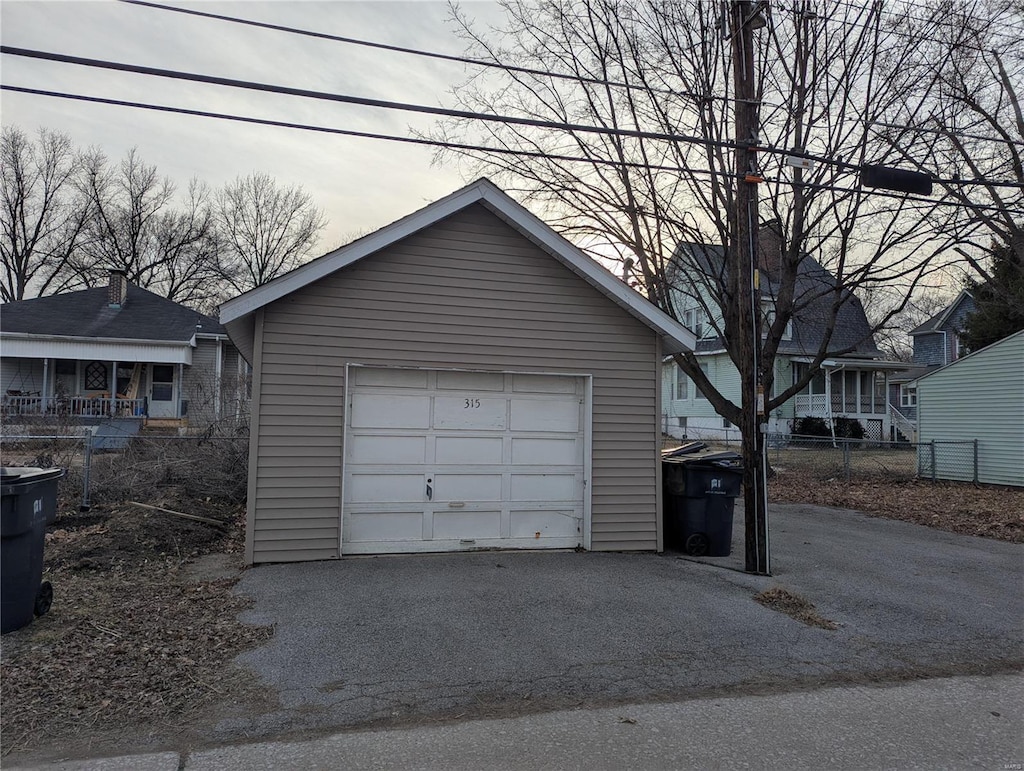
pixel 964 722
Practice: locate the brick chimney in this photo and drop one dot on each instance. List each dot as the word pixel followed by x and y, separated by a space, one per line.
pixel 769 247
pixel 117 288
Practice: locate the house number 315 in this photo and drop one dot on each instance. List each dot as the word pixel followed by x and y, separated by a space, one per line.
pixel 472 404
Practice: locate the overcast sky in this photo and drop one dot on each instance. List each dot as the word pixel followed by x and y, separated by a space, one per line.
pixel 361 184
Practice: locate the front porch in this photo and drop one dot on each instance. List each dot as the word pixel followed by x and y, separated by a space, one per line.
pixel 852 389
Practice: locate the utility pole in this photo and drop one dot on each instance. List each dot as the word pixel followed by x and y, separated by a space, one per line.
pixel 744 281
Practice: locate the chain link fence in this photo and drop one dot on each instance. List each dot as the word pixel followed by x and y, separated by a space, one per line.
pixel 142 467
pixel 863 459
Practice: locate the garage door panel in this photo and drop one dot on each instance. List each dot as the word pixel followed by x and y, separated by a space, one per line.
pixel 544 487
pixel 467 487
pixel 471 381
pixel 467 524
pixel 543 524
pixel 390 411
pixel 543 384
pixel 385 488
pixel 469 412
pixel 388 449
pixel 545 415
pixel 534 452
pixel 468 450
pixel 395 378
pixel 369 527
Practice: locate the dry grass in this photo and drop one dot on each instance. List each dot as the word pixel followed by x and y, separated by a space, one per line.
pixel 794 606
pixel 988 511
pixel 133 642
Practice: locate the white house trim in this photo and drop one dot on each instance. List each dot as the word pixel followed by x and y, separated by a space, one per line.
pixel 26 346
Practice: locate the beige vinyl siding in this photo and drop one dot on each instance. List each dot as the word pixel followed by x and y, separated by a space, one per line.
pixel 978 397
pixel 471 293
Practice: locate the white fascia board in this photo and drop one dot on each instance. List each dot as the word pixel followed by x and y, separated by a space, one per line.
pixel 677 338
pixel 853 363
pixel 27 346
pixel 347 255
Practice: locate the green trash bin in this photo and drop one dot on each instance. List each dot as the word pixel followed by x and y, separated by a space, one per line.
pixel 700 491
pixel 28 503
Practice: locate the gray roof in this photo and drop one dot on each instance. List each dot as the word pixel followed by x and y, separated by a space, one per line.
pixel 815 286
pixel 935 323
pixel 86 314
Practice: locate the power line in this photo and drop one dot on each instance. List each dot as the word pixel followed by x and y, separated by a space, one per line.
pixel 483 62
pixel 469 147
pixel 419 52
pixel 453 113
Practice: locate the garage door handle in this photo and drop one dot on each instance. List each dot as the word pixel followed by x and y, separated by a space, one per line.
pixel 430 491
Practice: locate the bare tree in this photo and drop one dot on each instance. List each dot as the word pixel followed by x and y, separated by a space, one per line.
pixel 42 215
pixel 266 230
pixel 661 176
pixel 135 225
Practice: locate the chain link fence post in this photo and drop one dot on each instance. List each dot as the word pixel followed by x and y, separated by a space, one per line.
pixel 846 460
pixel 934 472
pixel 975 461
pixel 86 472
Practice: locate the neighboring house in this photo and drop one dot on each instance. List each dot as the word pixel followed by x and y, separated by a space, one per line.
pixel 852 383
pixel 464 378
pixel 979 397
pixel 116 352
pixel 936 344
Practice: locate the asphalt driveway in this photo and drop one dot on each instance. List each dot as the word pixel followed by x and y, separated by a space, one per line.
pixel 420 638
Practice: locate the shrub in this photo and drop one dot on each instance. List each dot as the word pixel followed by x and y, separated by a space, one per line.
pixel 849 428
pixel 811 426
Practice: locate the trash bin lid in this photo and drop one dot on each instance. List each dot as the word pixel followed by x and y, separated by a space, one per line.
pixel 716 459
pixel 692 446
pixel 19 475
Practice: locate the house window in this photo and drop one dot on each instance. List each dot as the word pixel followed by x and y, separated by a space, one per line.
pixel 908 396
pixel 682 391
pixel 95 376
pixel 960 350
pixel 66 367
pixel 768 311
pixel 707 374
pixel 693 318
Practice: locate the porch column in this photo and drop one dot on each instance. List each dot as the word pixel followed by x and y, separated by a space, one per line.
pixel 181 382
pixel 113 388
pixel 46 379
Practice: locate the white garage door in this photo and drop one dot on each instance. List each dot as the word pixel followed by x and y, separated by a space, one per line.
pixel 443 461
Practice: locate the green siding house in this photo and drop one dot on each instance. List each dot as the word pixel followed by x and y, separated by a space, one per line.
pixel 979 397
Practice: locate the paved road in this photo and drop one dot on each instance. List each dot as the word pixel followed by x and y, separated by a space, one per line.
pixel 966 722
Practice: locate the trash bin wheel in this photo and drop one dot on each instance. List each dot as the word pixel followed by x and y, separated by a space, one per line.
pixel 697 545
pixel 44 598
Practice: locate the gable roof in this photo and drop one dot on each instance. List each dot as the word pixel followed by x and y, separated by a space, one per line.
pixel 852 332
pixel 86 314
pixel 1016 338
pixel 235 313
pixel 936 322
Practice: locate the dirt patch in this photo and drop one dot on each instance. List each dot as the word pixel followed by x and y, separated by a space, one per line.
pixel 794 606
pixel 988 511
pixel 136 643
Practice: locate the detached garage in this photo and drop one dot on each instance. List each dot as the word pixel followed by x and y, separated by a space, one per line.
pixel 464 378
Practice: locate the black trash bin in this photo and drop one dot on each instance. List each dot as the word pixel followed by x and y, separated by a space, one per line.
pixel 700 491
pixel 28 503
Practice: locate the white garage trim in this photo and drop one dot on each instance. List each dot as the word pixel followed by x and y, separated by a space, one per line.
pixel 460 459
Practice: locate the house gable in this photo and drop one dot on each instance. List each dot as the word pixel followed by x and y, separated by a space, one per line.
pixel 236 314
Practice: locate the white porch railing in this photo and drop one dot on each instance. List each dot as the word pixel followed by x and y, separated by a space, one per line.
pixel 82 406
pixel 818 405
pixel 906 426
